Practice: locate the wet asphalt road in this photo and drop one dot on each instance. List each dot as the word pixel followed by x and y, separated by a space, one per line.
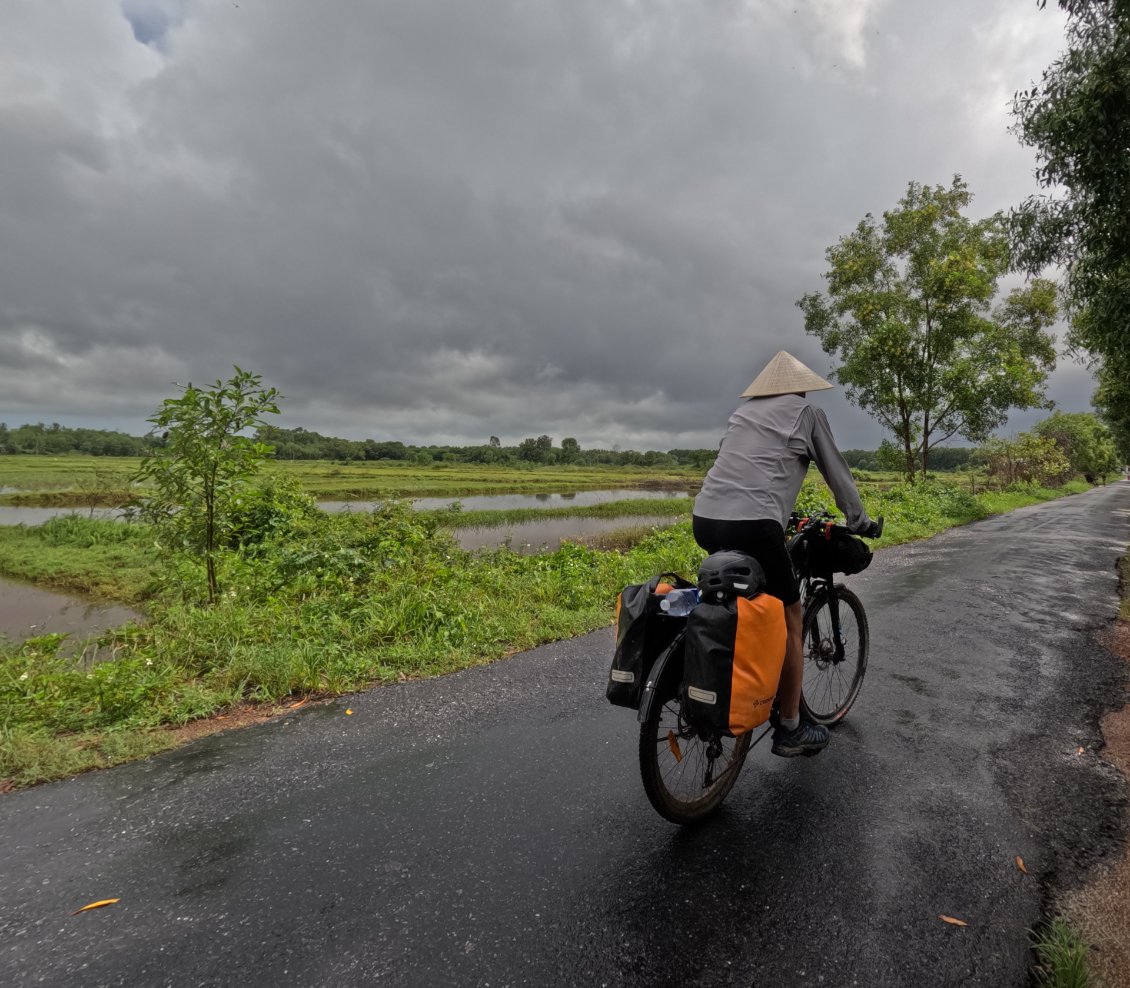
pixel 489 828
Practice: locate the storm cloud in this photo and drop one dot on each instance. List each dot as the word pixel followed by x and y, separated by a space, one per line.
pixel 439 221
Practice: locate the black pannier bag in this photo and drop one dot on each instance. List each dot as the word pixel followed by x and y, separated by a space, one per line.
pixel 643 632
pixel 735 647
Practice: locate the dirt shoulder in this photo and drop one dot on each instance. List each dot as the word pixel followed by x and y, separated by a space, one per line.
pixel 1101 910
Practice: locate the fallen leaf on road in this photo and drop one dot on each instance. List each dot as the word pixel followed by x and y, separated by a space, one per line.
pixel 95 905
pixel 295 706
pixel 1080 751
pixel 1020 864
pixel 348 713
pixel 950 919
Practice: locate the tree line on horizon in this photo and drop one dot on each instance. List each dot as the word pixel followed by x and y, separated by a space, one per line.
pixel 304 444
pixel 1082 443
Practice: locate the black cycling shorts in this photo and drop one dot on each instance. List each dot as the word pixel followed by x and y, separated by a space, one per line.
pixel 762 539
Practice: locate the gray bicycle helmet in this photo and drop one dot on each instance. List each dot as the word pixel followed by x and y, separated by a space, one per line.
pixel 730 574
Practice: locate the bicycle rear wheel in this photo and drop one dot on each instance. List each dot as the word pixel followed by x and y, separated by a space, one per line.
pixel 833 676
pixel 685 775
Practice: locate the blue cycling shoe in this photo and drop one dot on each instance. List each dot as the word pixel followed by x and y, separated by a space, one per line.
pixel 807 739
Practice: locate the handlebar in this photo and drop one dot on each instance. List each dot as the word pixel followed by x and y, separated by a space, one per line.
pixel 822 521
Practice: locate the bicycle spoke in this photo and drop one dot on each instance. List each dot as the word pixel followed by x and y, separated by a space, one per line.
pixel 831 685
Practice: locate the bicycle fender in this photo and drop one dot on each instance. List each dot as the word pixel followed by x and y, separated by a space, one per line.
pixel 654 678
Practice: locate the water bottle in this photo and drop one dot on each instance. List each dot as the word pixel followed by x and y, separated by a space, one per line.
pixel 679 603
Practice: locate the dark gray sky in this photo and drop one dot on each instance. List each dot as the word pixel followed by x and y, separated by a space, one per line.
pixel 438 221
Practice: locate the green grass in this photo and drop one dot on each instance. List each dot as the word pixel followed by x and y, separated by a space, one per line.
pixel 326 605
pixel 104 480
pixel 30 755
pixel 103 558
pixel 633 508
pixel 331 481
pixel 1061 957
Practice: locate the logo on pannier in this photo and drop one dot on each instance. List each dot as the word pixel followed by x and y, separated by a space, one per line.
pixel 622 676
pixel 702 696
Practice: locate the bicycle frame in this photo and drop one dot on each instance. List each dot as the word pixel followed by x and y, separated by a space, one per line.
pixel 811 585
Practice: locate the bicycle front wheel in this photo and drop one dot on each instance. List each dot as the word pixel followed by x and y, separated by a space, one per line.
pixel 686 776
pixel 833 666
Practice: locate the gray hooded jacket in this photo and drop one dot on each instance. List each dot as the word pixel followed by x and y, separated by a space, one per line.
pixel 763 460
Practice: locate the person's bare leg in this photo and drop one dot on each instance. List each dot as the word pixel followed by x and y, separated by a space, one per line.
pixel 792 674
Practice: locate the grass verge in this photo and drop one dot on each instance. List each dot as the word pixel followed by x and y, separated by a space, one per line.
pixel 82 481
pixel 1061 957
pixel 103 558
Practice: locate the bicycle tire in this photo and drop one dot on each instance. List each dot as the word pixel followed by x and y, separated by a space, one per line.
pixel 674 759
pixel 831 686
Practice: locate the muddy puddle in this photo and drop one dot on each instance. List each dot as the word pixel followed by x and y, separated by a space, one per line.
pixel 26 612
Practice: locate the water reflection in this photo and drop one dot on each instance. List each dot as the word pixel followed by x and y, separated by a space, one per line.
pixel 545 536
pixel 37 516
pixel 505 502
pixel 13 515
pixel 26 612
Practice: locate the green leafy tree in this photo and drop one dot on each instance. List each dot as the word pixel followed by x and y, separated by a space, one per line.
pixel 1112 399
pixel 570 450
pixel 908 312
pixel 538 450
pixel 1078 120
pixel 201 474
pixel 1077 117
pixel 1084 440
pixel 1025 459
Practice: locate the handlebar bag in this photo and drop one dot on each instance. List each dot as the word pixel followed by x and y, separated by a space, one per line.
pixel 642 634
pixel 842 553
pixel 849 554
pixel 733 655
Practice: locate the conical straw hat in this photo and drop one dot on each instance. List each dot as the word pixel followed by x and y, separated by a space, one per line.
pixel 783 375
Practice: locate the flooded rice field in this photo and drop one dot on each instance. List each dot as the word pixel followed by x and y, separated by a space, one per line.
pixel 508 502
pixel 545 536
pixel 26 612
pixel 10 515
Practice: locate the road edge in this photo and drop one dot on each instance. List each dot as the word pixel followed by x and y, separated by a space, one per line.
pixel 1099 910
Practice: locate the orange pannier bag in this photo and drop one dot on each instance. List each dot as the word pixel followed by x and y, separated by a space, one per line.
pixel 732 664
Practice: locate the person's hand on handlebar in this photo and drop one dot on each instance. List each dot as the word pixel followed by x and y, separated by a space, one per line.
pixel 872 530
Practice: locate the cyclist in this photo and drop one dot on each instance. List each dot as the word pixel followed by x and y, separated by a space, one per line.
pixel 747 497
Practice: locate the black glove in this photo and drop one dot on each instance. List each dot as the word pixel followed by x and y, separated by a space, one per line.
pixel 872 530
